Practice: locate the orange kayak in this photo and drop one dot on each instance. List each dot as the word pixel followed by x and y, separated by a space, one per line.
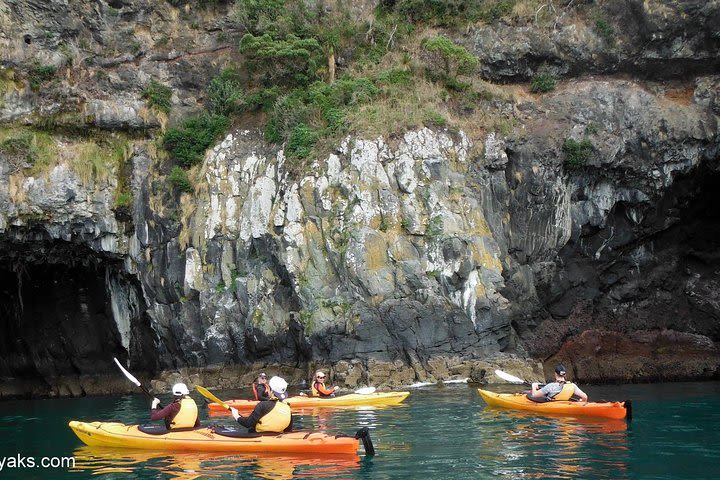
pixel 351 399
pixel 518 401
pixel 111 434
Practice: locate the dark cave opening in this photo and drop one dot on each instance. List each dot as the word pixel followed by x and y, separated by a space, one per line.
pixel 652 268
pixel 57 312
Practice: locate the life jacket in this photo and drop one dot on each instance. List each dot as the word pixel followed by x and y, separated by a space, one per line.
pixel 254 390
pixel 276 420
pixel 187 416
pixel 315 392
pixel 568 390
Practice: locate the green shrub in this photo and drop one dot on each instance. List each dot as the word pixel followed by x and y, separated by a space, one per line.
pixel 395 77
pixel 450 58
pixel 605 30
pixel 187 143
pixel 543 81
pixel 438 12
pixel 493 10
pixel 18 150
pixel 123 199
pixel 225 94
pixel 179 179
pixel 39 74
pixel 577 153
pixel 305 115
pixel 301 141
pixel 293 61
pixel 270 16
pixel 158 96
pixel 434 119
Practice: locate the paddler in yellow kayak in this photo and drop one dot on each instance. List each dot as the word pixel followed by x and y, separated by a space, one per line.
pixel 560 389
pixel 319 389
pixel 181 413
pixel 272 415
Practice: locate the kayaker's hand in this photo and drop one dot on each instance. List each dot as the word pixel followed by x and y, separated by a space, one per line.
pixel 336 388
pixel 535 385
pixel 155 403
pixel 235 413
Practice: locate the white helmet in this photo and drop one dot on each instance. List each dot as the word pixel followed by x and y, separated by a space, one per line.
pixel 278 386
pixel 180 389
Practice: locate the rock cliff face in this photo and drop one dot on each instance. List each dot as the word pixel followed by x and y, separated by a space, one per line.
pixel 423 256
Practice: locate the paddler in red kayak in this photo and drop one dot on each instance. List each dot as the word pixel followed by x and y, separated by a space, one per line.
pixel 272 415
pixel 319 389
pixel 560 389
pixel 181 413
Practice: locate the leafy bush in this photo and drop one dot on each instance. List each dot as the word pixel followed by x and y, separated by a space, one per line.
pixel 302 140
pixel 605 30
pixel 39 74
pixel 18 150
pixel 123 199
pixel 293 61
pixel 439 12
pixel 225 93
pixel 179 179
pixel 449 58
pixel 187 143
pixel 275 17
pixel 304 115
pixel 395 77
pixel 158 96
pixel 543 81
pixel 493 10
pixel 577 153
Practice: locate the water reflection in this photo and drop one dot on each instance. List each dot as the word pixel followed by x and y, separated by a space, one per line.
pixel 194 465
pixel 555 447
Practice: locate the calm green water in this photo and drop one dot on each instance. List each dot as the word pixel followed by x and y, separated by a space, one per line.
pixel 444 433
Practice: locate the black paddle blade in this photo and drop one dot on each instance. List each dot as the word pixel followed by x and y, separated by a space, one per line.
pixel 364 435
pixel 628 408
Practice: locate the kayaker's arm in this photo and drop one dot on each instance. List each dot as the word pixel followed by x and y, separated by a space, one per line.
pixel 583 396
pixel 536 392
pixel 167 412
pixel 251 420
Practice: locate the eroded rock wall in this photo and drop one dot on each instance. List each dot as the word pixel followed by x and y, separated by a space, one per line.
pixel 433 254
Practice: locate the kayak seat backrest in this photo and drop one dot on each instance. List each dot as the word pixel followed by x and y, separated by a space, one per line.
pixel 542 399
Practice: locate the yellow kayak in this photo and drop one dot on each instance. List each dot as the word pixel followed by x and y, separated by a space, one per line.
pixel 351 399
pixel 519 401
pixel 112 434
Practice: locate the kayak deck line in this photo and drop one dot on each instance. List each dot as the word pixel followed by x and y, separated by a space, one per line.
pixel 519 401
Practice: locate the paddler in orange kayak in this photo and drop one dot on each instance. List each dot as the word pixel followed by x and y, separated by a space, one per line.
pixel 181 413
pixel 560 389
pixel 260 387
pixel 272 415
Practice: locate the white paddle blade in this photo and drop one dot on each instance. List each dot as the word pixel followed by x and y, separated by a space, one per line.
pixel 365 390
pixel 126 373
pixel 509 378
